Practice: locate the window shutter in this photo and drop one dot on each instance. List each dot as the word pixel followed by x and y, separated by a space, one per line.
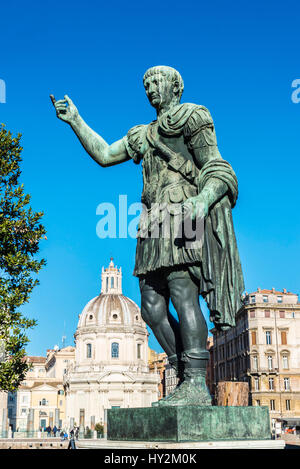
pixel 283 338
pixel 253 336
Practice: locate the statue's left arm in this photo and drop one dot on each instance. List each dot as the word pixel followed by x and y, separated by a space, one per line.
pixel 202 143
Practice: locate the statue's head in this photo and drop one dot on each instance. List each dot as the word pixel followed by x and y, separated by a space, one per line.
pixel 163 86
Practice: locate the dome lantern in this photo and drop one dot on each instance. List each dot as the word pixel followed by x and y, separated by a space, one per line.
pixel 111 280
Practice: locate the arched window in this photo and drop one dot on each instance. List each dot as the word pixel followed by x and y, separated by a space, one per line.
pixel 114 350
pixel 255 362
pixel 285 362
pixel 88 350
pixel 270 362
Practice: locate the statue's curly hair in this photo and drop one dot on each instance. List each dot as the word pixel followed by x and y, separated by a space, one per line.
pixel 169 72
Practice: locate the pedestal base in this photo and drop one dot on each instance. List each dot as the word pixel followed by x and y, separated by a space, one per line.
pixel 189 423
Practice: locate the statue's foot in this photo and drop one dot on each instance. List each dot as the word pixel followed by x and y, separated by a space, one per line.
pixel 193 391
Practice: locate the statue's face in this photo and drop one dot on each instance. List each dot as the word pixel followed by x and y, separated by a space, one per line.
pixel 159 90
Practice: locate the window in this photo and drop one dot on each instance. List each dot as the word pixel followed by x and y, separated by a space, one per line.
pixel 112 282
pixel 283 338
pixel 265 298
pixel 272 404
pixel 256 384
pixel 258 402
pixel 268 338
pixel 252 313
pixel 44 402
pixel 271 384
pixel 253 337
pixel 279 299
pixel 88 350
pixel 24 399
pixel 267 313
pixel 270 362
pixel 115 350
pixel 23 411
pixel 252 298
pixel 139 351
pixel 286 383
pixel 255 363
pixel 285 362
pixel 288 404
pixel 282 314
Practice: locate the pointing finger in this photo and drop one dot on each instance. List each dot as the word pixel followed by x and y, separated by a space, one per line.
pixel 52 99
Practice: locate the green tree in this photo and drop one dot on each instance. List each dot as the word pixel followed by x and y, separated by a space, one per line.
pixel 99 427
pixel 20 234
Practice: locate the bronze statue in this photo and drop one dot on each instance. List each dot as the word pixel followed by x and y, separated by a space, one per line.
pixel 181 165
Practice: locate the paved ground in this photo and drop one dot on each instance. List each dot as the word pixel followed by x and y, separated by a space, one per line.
pixel 34 443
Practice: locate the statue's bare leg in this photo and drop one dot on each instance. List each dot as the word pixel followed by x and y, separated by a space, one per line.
pixel 155 312
pixel 184 295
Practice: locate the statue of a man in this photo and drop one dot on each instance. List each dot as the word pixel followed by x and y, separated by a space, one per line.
pixel 181 165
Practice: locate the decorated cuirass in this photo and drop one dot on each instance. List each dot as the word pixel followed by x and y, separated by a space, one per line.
pixel 169 172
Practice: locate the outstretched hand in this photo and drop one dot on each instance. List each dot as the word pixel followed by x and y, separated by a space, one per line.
pixel 65 109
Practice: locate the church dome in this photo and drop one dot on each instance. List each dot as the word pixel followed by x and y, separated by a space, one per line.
pixel 111 307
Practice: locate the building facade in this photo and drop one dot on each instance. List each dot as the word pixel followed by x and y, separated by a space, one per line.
pixel 111 359
pixel 157 364
pixel 264 350
pixel 40 400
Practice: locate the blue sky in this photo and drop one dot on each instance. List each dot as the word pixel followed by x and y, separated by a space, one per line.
pixel 237 58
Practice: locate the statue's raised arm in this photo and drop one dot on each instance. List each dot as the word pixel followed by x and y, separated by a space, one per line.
pixel 103 153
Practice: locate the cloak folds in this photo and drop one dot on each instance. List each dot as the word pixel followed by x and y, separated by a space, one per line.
pixel 220 273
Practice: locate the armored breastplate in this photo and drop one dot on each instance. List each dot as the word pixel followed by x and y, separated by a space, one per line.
pixel 169 171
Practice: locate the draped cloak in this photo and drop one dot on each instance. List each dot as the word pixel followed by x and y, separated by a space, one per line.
pixel 216 266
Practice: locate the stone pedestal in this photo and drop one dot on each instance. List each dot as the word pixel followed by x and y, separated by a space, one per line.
pixel 189 423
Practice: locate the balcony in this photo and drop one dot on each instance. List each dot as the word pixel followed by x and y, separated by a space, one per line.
pixel 263 371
